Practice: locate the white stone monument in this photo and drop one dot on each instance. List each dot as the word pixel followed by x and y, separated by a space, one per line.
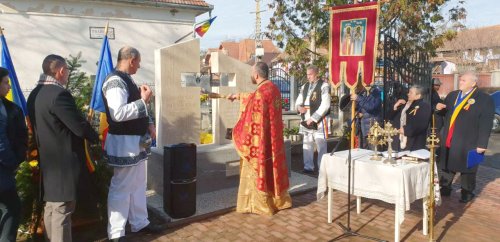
pixel 178 113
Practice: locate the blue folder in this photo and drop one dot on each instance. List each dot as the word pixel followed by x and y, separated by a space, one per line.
pixel 474 158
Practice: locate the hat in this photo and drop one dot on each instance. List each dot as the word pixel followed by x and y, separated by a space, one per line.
pixel 344 102
pixel 436 81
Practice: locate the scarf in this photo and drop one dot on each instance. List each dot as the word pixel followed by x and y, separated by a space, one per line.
pixel 402 138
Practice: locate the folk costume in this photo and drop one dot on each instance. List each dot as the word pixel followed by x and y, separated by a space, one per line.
pixel 128 120
pixel 315 97
pixel 258 138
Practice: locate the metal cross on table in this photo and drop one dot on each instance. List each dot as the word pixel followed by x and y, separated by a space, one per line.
pixel 388 132
pixel 374 138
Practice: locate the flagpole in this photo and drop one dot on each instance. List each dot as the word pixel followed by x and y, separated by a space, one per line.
pixel 91 110
pixel 90 164
pixel 106 29
pixel 183 37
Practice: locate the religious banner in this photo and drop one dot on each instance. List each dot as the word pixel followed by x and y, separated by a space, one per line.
pixel 353 44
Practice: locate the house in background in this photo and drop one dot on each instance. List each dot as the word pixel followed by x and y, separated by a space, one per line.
pixel 244 51
pixel 472 49
pixel 35 29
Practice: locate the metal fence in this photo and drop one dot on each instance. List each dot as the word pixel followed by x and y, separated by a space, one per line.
pixel 402 69
pixel 282 79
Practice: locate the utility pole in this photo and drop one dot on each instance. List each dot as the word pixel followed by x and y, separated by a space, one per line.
pixel 313 43
pixel 259 50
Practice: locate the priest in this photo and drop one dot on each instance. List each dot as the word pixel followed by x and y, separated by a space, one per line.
pixel 258 138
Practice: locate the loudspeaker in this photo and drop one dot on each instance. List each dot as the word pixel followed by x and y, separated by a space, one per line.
pixel 179 180
pixel 183 199
pixel 180 159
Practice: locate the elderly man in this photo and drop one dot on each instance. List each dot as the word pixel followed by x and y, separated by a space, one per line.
pixel 60 130
pixel 412 119
pixel 130 131
pixel 258 138
pixel 467 126
pixel 313 105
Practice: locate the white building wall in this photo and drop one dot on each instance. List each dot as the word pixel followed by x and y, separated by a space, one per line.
pixel 34 29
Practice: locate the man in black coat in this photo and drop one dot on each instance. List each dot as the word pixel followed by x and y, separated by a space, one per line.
pixel 13 146
pixel 60 131
pixel 412 119
pixel 467 126
pixel 435 99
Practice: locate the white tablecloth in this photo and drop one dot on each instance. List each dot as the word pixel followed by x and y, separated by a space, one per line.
pixel 397 184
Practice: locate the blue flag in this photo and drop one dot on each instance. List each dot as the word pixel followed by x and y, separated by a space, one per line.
pixel 15 94
pixel 104 67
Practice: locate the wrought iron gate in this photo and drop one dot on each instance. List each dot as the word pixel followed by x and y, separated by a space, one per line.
pixel 401 70
pixel 281 79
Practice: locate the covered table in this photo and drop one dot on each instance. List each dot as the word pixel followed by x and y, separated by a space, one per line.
pixel 399 184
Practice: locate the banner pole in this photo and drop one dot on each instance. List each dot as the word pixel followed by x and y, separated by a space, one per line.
pixel 353 124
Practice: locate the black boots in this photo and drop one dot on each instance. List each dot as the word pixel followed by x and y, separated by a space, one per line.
pixel 445 191
pixel 466 197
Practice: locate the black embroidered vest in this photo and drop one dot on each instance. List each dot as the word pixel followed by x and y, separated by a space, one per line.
pixel 131 127
pixel 314 99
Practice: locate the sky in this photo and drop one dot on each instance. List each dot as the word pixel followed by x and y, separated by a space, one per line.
pixel 234 20
pixel 480 12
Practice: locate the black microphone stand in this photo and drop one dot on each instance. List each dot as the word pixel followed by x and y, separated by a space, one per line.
pixel 347 228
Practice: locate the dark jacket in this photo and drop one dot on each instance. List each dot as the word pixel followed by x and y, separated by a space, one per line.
pixel 435 99
pixel 416 126
pixel 370 105
pixel 472 130
pixel 60 131
pixel 18 139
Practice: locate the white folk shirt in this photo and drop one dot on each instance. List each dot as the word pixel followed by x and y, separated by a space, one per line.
pixel 323 107
pixel 123 150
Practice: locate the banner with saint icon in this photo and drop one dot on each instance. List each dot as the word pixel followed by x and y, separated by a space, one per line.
pixel 353 44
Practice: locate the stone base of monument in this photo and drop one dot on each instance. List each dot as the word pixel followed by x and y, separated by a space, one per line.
pixel 218 179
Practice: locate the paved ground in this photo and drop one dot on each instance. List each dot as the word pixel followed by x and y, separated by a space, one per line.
pixel 493 153
pixel 306 221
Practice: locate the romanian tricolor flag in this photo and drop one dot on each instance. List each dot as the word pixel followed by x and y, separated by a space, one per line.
pixel 104 67
pixel 203 28
pixel 15 94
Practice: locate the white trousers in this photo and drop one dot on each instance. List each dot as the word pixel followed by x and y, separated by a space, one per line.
pixel 127 200
pixel 311 138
